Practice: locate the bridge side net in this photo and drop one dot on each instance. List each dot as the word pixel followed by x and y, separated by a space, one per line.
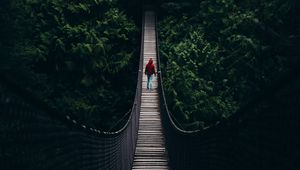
pixel 263 135
pixel 36 137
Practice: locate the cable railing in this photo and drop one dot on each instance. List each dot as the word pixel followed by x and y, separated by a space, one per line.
pixel 34 136
pixel 262 135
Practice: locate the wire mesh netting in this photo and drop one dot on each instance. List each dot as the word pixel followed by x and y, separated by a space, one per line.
pixel 36 137
pixel 262 135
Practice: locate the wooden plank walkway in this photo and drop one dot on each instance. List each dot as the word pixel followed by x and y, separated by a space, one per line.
pixel 150 150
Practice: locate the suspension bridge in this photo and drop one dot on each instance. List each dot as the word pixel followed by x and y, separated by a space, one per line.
pixel 262 135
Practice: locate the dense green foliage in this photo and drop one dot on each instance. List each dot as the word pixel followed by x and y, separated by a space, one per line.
pixel 218 54
pixel 80 57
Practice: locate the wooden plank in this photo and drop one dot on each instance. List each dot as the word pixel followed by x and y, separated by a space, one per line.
pixel 150 149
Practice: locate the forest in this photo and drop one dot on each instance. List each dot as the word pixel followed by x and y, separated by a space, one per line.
pixel 217 55
pixel 81 57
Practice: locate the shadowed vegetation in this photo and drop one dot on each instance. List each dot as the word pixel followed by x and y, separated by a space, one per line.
pixel 81 57
pixel 217 55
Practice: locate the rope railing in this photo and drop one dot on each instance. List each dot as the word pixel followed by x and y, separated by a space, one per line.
pixel 262 135
pixel 36 137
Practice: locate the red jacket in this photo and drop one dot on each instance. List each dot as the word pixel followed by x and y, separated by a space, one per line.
pixel 150 68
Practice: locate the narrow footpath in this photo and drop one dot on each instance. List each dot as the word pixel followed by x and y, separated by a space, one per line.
pixel 150 150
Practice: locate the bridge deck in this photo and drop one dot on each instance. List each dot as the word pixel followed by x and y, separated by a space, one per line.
pixel 150 151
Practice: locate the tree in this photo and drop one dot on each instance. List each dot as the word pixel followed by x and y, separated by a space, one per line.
pixel 218 54
pixel 76 54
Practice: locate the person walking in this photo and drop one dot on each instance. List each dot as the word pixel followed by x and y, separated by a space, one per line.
pixel 149 71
